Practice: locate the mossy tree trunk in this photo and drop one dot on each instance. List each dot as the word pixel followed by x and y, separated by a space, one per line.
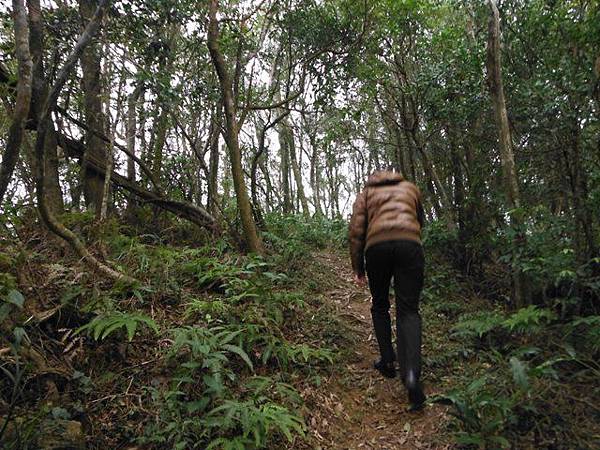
pixel 232 133
pixel 511 184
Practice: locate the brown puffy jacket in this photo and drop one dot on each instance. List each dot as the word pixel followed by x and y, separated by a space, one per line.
pixel 388 208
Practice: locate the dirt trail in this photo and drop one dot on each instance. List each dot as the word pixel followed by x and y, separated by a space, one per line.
pixel 357 408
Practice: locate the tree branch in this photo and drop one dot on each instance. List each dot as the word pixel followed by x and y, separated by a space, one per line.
pixel 43 125
pixel 123 148
pixel 21 109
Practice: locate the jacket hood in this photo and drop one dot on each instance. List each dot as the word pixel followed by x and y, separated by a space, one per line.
pixel 382 177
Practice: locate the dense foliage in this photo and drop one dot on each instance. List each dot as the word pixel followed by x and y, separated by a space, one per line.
pixel 170 169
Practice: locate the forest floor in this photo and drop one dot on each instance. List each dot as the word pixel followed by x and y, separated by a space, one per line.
pixel 103 387
pixel 100 386
pixel 357 408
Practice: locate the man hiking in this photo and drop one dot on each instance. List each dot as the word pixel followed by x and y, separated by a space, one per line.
pixel 385 230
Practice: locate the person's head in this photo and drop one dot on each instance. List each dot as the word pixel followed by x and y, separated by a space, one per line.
pixel 383 177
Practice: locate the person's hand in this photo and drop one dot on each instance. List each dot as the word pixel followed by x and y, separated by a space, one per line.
pixel 360 280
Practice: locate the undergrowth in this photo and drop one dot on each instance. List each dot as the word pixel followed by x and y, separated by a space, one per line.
pixel 210 350
pixel 524 378
pixel 213 349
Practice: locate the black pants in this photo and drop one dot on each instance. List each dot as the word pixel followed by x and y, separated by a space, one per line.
pixel 404 261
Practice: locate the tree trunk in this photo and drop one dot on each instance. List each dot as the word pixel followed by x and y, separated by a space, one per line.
pixel 412 125
pixel 231 133
pixel 44 123
pixel 296 171
pixel 193 213
pixel 459 198
pixel 584 236
pixel 21 109
pixel 110 162
pixel 270 192
pixel 93 185
pixel 496 87
pixel 511 185
pixel 316 182
pixel 394 134
pixel 256 160
pixel 110 157
pixel 161 127
pixel 130 132
pixel 284 154
pixel 477 212
pixel 39 92
pixel 215 132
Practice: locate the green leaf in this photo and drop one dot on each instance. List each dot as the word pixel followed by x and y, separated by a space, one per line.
pixel 477 384
pixel 19 333
pixel 240 352
pixel 9 375
pixel 96 325
pixel 60 413
pixel 469 439
pixel 519 371
pixel 103 326
pixel 500 440
pixel 5 309
pixel 151 323
pixel 15 297
pixel 131 326
pixel 570 350
pixel 114 325
pixel 198 405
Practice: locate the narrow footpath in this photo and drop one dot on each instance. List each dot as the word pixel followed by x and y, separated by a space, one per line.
pixel 357 408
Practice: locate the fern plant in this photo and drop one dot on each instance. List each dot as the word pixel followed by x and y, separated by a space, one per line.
pixel 209 346
pixel 273 349
pixel 201 410
pixel 232 423
pixel 256 422
pixel 103 326
pixel 490 405
pixel 482 414
pixel 524 321
pixel 528 320
pixel 477 325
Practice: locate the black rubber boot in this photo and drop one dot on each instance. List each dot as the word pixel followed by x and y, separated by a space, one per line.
pixel 416 397
pixel 386 369
pixel 409 357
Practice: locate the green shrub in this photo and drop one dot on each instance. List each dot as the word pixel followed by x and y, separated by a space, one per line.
pixel 528 320
pixel 525 321
pixel 202 410
pixel 317 231
pixel 477 325
pixel 270 348
pixel 482 414
pixel 437 236
pixel 448 308
pixel 586 330
pixel 10 298
pixel 292 237
pixel 250 422
pixel 102 326
pixel 490 407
